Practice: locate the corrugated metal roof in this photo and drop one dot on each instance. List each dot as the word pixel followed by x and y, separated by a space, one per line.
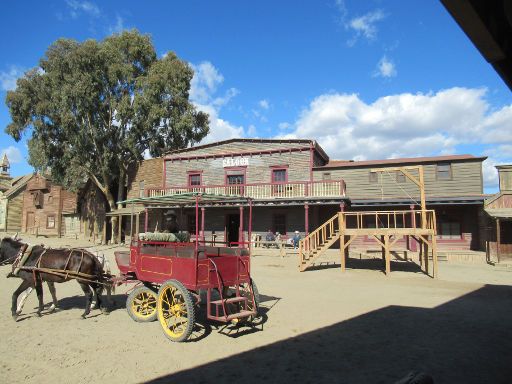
pixel 500 213
pixel 408 160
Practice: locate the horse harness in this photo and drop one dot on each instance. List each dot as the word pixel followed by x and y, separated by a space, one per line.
pixel 66 273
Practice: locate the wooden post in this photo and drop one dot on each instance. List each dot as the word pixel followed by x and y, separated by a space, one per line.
pixel 119 228
pixel 146 220
pixel 425 255
pixel 341 226
pixel 137 224
pixel 202 225
pixel 306 219
pixel 498 239
pixel 241 228
pixel 434 255
pixel 388 255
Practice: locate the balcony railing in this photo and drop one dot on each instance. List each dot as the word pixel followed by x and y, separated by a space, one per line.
pixel 290 190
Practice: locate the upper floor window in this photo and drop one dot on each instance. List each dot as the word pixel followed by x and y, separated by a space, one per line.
pixel 326 176
pixel 194 179
pixel 373 177
pixel 141 188
pixel 444 171
pixel 279 175
pixel 235 179
pixel 50 221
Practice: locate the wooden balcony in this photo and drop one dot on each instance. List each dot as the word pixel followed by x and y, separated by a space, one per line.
pixel 264 191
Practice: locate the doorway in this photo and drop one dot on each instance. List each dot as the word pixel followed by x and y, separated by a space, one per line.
pixel 232 227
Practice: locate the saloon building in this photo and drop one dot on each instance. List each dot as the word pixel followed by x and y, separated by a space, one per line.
pixel 295 186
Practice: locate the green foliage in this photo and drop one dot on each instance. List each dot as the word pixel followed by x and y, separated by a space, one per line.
pixel 94 108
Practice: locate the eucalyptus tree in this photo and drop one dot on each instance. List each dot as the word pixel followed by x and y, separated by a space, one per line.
pixel 94 108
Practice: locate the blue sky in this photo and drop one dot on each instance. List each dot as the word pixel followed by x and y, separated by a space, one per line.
pixel 368 80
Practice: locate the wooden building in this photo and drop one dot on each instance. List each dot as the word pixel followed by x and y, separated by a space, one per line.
pixel 49 209
pixel 453 188
pixel 294 186
pixel 92 209
pixel 499 209
pixel 11 205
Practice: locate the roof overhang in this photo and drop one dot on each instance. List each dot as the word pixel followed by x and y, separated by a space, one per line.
pixel 499 213
pixel 184 200
pixel 488 24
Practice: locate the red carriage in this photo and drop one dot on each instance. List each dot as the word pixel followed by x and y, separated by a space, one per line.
pixel 171 275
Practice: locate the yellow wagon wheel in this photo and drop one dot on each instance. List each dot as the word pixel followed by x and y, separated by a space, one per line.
pixel 176 311
pixel 141 304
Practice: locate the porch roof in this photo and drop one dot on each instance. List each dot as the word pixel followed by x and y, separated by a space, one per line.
pixel 499 213
pixel 186 199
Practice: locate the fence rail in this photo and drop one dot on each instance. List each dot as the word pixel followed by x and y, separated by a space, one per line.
pixel 332 188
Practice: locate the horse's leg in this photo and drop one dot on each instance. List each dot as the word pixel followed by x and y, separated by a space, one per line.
pixel 95 301
pixel 24 297
pixel 88 298
pixel 98 289
pixel 23 286
pixel 53 292
pixel 39 291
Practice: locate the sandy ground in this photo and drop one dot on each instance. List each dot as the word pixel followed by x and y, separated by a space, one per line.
pixel 319 326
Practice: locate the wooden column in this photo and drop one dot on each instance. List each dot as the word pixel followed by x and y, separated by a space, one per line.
pixel 412 242
pixel 498 239
pixel 202 225
pixel 306 219
pixel 341 226
pixel 137 225
pixel 146 220
pixel 119 228
pixel 434 256
pixel 342 206
pixel 425 255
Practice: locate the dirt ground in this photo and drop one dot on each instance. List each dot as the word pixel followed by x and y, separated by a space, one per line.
pixel 321 326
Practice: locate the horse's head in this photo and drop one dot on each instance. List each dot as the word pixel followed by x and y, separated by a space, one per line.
pixel 9 248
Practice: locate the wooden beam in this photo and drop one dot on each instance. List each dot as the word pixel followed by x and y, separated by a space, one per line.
pixel 342 252
pixel 352 237
pixel 434 256
pixel 498 239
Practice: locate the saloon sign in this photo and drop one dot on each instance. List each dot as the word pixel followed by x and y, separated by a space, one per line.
pixel 235 161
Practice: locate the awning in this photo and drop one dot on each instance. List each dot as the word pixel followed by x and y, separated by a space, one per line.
pixel 499 213
pixel 184 199
pixel 126 211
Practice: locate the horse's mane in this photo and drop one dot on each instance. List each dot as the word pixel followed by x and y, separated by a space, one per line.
pixel 12 242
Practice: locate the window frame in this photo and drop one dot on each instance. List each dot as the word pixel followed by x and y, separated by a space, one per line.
pixel 191 174
pixel 143 189
pixel 372 176
pixel 48 221
pixel 450 172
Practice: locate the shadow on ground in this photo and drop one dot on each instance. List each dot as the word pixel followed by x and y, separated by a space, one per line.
pixel 466 340
pixel 375 264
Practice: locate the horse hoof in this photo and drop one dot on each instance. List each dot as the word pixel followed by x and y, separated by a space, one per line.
pixel 83 317
pixel 38 314
pixel 18 312
pixel 105 312
pixel 15 316
pixel 52 309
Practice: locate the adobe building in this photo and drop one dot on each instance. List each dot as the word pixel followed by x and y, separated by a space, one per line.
pixel 294 186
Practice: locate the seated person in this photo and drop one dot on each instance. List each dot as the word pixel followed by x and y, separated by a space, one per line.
pixel 269 237
pixel 171 223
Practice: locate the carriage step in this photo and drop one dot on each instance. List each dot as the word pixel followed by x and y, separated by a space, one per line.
pixel 233 316
pixel 229 301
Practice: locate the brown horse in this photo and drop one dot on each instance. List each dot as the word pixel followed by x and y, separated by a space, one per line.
pixel 57 266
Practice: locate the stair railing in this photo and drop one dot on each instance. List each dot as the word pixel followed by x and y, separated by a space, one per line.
pixel 315 241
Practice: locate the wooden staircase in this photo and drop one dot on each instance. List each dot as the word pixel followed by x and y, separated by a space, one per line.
pixel 318 241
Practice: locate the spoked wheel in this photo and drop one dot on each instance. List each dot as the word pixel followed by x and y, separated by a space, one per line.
pixel 141 304
pixel 175 310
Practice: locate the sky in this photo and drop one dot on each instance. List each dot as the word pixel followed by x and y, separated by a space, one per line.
pixel 368 80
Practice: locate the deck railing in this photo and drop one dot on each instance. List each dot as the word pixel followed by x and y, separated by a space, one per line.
pixel 289 190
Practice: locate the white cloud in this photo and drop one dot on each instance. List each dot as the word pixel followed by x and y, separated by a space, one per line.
pixel 364 26
pixel 203 88
pixel 118 27
pixel 264 104
pixel 13 154
pixel 385 68
pixel 407 125
pixel 284 125
pixel 77 7
pixel 8 78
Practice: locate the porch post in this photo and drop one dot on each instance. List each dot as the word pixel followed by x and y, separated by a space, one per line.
pixel 342 206
pixel 146 220
pixel 250 223
pixel 202 225
pixel 197 223
pixel 498 239
pixel 412 242
pixel 241 228
pixel 119 228
pixel 306 219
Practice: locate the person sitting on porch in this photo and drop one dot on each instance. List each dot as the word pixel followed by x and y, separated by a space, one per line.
pixel 171 223
pixel 269 237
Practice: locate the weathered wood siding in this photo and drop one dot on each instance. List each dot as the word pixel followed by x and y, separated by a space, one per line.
pixel 238 147
pixel 92 213
pixel 259 169
pixel 150 171
pixel 52 203
pixel 15 212
pixel 466 180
